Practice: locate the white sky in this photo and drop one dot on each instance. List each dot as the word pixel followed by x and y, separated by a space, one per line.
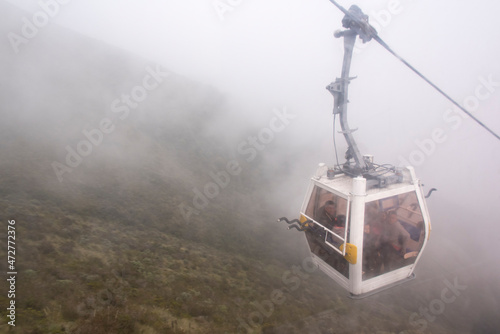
pixel 282 53
pixel 286 36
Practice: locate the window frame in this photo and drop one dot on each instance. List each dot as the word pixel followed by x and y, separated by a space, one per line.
pixel 314 192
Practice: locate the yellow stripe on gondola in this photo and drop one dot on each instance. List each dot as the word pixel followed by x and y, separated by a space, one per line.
pixel 351 253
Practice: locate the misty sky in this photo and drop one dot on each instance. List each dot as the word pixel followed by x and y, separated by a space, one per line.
pixel 266 54
pixel 283 52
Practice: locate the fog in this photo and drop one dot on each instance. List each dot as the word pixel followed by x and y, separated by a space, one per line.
pixel 254 58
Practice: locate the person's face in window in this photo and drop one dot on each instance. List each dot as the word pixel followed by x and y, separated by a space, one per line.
pixel 330 209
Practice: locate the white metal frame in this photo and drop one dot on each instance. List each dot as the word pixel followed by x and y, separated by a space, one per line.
pixel 327 230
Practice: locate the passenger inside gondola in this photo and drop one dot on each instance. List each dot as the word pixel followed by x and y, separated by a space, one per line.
pixel 394 234
pixel 394 242
pixel 328 210
pixel 327 215
pixel 339 226
pixel 372 260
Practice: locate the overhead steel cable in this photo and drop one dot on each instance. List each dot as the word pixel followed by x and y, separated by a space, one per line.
pixel 374 35
pixel 381 42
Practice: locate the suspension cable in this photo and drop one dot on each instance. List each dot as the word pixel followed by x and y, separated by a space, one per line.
pixel 383 44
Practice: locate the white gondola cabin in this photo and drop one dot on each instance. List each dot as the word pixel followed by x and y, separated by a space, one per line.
pixel 354 243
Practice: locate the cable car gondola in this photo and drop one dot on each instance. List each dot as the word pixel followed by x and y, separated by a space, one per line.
pixel 366 224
